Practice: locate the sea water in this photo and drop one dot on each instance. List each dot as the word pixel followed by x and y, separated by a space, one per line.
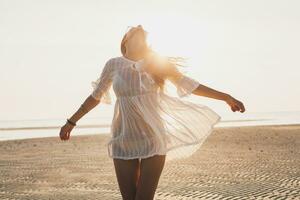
pixel 37 128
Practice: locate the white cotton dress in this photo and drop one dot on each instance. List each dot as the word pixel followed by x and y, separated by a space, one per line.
pixel 149 122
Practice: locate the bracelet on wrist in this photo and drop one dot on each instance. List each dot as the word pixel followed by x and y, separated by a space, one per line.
pixel 70 122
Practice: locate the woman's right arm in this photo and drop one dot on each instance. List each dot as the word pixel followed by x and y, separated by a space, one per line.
pixel 100 94
pixel 85 107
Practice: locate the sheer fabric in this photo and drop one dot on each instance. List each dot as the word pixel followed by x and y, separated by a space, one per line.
pixel 147 121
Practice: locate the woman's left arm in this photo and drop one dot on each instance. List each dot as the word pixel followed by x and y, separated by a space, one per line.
pixel 205 91
pixel 187 85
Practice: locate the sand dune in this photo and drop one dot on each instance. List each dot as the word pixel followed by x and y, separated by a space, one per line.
pixel 260 162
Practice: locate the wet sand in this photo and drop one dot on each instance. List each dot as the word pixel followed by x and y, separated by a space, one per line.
pixel 261 162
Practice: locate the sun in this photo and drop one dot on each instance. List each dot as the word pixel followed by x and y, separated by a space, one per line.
pixel 172 36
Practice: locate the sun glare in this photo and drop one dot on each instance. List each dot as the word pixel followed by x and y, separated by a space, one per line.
pixel 176 39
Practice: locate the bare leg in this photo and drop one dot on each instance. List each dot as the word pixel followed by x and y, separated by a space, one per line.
pixel 150 172
pixel 127 172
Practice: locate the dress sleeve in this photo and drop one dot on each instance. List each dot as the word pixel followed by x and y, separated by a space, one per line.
pixel 102 85
pixel 185 85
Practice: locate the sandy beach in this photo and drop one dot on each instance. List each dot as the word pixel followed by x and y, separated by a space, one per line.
pixel 258 162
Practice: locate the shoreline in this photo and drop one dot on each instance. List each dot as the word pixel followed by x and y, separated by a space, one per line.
pixel 107 133
pixel 216 127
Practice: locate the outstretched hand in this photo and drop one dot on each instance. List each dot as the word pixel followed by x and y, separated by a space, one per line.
pixel 65 131
pixel 235 104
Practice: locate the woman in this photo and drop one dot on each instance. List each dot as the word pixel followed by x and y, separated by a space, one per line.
pixel 149 127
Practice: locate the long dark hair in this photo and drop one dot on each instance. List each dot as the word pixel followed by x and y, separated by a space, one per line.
pixel 169 60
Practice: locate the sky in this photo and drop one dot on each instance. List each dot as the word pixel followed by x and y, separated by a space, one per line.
pixel 50 51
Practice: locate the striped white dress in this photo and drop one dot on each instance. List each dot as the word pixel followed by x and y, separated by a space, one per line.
pixel 148 122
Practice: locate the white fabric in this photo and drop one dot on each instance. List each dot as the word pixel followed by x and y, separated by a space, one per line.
pixel 147 121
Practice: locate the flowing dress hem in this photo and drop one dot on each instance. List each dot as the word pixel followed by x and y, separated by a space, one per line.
pixel 199 143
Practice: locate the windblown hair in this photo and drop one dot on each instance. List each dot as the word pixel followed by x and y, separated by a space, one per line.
pixel 171 61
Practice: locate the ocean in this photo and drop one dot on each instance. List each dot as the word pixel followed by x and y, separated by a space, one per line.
pixel 37 128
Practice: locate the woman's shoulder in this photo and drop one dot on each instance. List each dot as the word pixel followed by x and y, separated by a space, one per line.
pixel 115 58
pixel 114 61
